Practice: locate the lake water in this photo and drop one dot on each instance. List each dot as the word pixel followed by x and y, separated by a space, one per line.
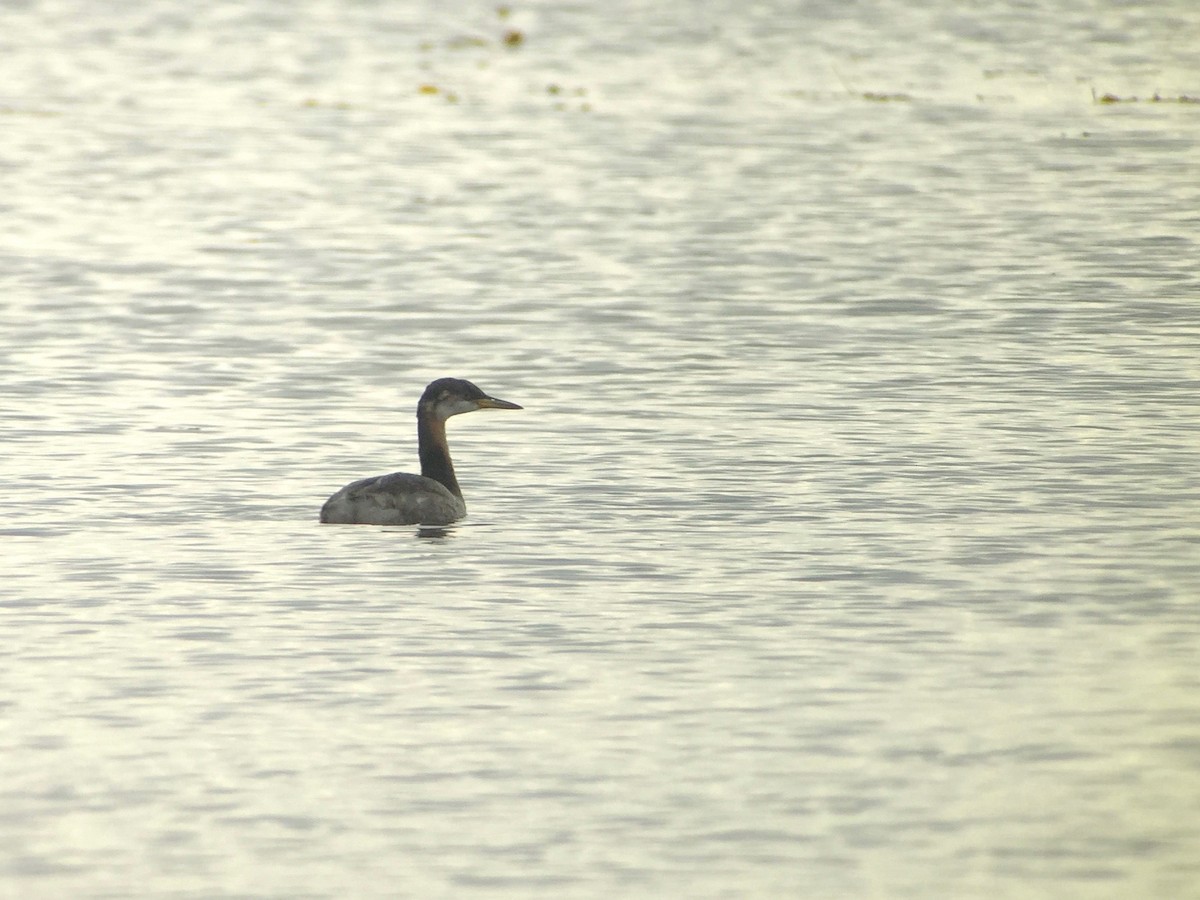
pixel 848 544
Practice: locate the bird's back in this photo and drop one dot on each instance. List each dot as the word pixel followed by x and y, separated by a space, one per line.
pixel 396 499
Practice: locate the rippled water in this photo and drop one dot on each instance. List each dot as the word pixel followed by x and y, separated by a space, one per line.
pixel 847 545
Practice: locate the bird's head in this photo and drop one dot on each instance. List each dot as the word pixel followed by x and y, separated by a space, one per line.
pixel 448 397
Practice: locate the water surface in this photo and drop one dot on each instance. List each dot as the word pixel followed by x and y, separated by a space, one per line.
pixel 846 546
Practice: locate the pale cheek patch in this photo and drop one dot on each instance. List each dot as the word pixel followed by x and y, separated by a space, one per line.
pixel 448 408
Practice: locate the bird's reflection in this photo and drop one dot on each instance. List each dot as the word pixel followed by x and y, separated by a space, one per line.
pixel 435 532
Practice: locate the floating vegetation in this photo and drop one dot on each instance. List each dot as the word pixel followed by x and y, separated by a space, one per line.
pixel 509 37
pixel 314 103
pixel 466 42
pixel 433 89
pixel 901 97
pixel 840 96
pixel 482 51
pixel 1156 97
pixel 19 111
pixel 1009 73
pixel 557 90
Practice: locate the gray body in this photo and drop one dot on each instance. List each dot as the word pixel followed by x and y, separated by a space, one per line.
pixel 396 499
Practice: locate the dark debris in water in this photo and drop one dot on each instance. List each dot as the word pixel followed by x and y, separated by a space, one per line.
pixel 1153 98
pixel 869 96
pixel 6 110
pixel 509 37
pixel 433 89
pixel 314 103
pixel 902 97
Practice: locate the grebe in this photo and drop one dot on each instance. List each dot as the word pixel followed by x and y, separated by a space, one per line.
pixel 431 498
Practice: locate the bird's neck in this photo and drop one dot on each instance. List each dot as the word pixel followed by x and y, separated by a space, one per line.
pixel 435 453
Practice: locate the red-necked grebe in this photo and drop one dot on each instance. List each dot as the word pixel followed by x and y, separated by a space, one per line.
pixel 431 498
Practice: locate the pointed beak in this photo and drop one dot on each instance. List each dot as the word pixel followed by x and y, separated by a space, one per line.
pixel 495 403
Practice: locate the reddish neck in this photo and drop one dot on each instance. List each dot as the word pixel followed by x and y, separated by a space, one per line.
pixel 434 452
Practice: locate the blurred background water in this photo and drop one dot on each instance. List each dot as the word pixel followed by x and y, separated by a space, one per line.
pixel 847 545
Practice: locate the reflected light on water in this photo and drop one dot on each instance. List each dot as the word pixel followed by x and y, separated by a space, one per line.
pixel 847 542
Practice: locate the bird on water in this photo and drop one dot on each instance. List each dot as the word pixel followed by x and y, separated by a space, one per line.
pixel 431 498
